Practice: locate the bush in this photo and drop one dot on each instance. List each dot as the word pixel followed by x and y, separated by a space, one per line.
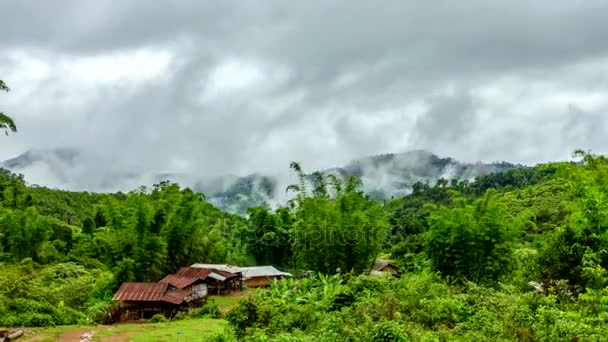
pixel 180 316
pixel 225 336
pixel 388 331
pixel 158 318
pixel 243 315
pixel 210 310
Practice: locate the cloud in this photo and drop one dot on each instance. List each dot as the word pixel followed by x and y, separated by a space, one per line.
pixel 233 88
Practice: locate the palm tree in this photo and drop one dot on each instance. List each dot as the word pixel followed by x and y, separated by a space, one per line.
pixel 6 123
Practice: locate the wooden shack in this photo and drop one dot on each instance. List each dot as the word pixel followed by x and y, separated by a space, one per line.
pixel 143 300
pixel 256 276
pixel 262 276
pixel 204 280
pixel 384 268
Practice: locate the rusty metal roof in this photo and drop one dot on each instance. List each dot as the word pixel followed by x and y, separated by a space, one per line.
pixel 175 296
pixel 203 273
pixel 149 292
pixel 380 264
pixel 179 281
pixel 221 267
pixel 191 272
pixel 140 292
pixel 227 274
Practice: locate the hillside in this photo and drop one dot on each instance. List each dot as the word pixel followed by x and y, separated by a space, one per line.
pixel 496 256
pixel 383 176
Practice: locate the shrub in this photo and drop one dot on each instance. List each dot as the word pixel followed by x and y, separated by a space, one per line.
pixel 225 336
pixel 180 316
pixel 158 318
pixel 210 310
pixel 388 331
pixel 243 315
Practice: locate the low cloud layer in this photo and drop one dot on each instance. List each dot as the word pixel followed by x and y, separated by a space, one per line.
pixel 233 88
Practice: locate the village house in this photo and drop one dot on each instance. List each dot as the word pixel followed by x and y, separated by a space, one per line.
pixel 200 281
pixel 262 276
pixel 144 300
pixel 187 288
pixel 384 267
pixel 256 276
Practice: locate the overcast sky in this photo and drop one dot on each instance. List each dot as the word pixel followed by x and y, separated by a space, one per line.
pixel 219 87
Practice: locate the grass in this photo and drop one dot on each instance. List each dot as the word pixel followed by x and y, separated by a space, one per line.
pixel 224 302
pixel 50 334
pixel 175 331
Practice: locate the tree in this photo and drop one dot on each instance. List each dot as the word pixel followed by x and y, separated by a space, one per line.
pixel 88 226
pixel 336 234
pixel 6 123
pixel 471 242
pixel 582 244
pixel 268 235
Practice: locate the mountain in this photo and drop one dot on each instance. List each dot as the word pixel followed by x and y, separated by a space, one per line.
pixel 383 176
pixel 52 158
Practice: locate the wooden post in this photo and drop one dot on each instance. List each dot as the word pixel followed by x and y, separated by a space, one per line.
pixel 14 335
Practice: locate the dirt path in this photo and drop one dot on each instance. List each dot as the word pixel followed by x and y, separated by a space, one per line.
pixel 118 338
pixel 78 335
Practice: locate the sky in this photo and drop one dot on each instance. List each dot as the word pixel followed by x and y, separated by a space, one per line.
pixel 233 87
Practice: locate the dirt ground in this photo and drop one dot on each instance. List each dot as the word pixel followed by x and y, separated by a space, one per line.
pixel 78 335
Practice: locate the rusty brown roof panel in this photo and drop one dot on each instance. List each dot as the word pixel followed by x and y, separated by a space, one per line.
pixel 191 272
pixel 175 296
pixel 224 273
pixel 149 292
pixel 202 273
pixel 178 281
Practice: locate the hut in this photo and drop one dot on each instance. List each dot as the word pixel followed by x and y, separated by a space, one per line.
pixel 204 280
pixel 384 267
pixel 197 288
pixel 256 276
pixel 144 300
pixel 262 276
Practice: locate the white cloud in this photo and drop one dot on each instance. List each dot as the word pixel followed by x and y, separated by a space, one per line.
pixel 218 88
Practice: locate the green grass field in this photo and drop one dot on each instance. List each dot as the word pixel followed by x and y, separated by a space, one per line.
pixel 176 331
pixel 224 302
pixel 51 334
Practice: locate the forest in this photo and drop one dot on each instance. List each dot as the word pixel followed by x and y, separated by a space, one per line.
pixel 519 255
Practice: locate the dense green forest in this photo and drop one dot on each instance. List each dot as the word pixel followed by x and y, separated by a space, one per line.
pixel 515 256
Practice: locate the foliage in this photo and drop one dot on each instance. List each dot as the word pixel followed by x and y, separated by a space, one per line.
pixel 209 310
pixel 515 256
pixel 6 123
pixel 471 242
pixel 340 233
pixel 158 318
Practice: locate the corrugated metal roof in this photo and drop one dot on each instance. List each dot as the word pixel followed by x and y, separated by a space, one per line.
pixel 191 272
pixel 178 281
pixel 380 264
pixel 216 276
pixel 175 296
pixel 203 273
pixel 140 292
pixel 263 271
pixel 222 267
pixel 247 272
pixel 149 292
pixel 226 274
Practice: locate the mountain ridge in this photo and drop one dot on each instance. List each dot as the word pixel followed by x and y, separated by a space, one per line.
pixel 384 176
